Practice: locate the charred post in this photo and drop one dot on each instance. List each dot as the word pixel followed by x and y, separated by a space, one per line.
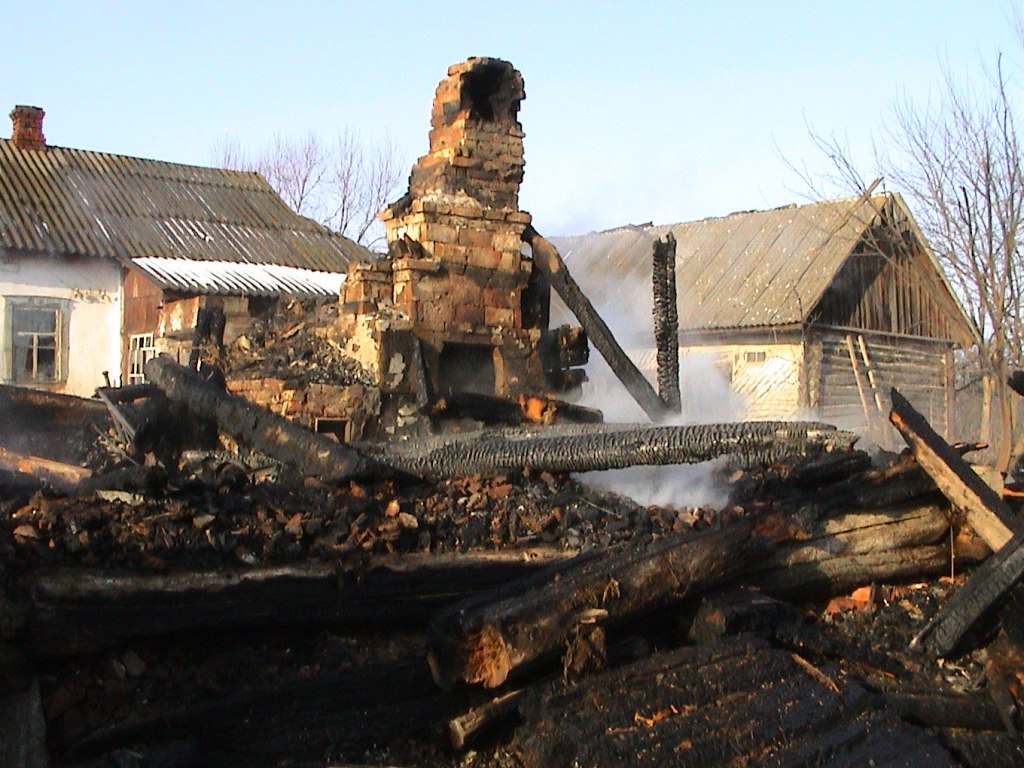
pixel 666 322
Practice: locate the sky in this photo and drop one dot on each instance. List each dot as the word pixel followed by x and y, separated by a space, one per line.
pixel 646 111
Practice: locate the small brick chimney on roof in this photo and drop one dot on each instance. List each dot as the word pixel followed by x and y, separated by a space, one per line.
pixel 27 130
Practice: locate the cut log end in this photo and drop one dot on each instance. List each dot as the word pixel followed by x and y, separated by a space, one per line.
pixel 485 660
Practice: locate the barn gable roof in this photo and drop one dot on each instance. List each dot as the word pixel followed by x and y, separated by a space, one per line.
pixel 57 201
pixel 749 270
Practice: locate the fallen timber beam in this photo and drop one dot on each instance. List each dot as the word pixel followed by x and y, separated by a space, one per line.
pixel 258 428
pixel 483 639
pixel 986 511
pixel 583 448
pixel 78 610
pixel 550 263
pixel 57 474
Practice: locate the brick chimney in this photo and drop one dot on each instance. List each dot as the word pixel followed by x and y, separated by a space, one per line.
pixel 27 130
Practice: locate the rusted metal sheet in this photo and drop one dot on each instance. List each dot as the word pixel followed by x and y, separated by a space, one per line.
pixel 76 202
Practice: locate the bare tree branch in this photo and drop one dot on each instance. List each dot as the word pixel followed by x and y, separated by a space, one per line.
pixel 343 186
pixel 958 160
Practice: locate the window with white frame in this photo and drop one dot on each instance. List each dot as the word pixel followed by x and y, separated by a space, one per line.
pixel 37 340
pixel 140 351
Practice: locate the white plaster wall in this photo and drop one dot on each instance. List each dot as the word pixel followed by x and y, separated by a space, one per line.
pixel 93 290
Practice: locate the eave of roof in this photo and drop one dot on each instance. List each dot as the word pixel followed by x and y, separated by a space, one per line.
pixel 237 279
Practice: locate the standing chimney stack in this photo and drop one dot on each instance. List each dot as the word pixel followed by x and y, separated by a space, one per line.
pixel 27 131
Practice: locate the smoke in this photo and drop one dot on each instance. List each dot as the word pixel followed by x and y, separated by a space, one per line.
pixel 706 398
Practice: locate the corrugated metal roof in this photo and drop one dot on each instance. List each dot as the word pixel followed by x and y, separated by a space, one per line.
pixel 237 279
pixel 82 203
pixel 746 270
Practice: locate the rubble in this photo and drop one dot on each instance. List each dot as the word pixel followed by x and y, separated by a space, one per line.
pixel 109 586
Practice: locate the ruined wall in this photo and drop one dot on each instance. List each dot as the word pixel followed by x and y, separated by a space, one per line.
pixel 455 274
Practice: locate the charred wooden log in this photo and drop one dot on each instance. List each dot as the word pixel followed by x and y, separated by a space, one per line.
pixel 986 585
pixel 666 322
pixel 260 429
pixel 56 474
pixel 484 639
pixel 548 260
pixel 986 511
pixel 78 610
pixel 594 447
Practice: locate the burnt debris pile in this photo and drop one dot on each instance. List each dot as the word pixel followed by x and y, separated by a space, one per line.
pixel 249 609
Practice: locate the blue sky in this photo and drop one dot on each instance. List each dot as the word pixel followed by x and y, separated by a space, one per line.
pixel 648 111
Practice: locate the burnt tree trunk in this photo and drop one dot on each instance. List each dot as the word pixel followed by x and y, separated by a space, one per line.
pixel 548 260
pixel 666 322
pixel 583 448
pixel 257 427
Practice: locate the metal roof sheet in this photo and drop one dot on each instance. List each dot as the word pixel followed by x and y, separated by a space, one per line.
pixel 744 270
pixel 749 270
pixel 236 278
pixel 82 203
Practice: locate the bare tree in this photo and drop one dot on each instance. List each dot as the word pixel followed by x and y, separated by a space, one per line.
pixel 959 163
pixel 343 186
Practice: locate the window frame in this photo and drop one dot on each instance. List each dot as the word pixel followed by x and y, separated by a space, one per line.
pixel 146 351
pixel 61 309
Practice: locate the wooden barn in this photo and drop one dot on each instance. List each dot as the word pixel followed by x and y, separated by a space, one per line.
pixel 807 311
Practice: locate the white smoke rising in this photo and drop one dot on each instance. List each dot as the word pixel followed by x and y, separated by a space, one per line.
pixel 706 398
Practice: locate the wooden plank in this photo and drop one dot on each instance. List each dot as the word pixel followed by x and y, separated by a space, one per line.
pixel 986 511
pixel 856 376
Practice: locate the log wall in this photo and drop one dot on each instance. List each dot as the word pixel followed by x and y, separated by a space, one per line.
pixel 840 388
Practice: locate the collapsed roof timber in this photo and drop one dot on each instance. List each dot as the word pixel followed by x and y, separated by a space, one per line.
pixel 170 599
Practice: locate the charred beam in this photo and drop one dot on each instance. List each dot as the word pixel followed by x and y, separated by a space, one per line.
pixel 482 640
pixel 583 448
pixel 986 511
pixel 986 585
pixel 666 322
pixel 547 258
pixel 258 428
pixel 77 610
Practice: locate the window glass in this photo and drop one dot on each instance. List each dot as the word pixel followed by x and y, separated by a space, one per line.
pixel 35 340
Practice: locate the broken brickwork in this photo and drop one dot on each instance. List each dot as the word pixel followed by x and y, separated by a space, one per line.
pixel 343 411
